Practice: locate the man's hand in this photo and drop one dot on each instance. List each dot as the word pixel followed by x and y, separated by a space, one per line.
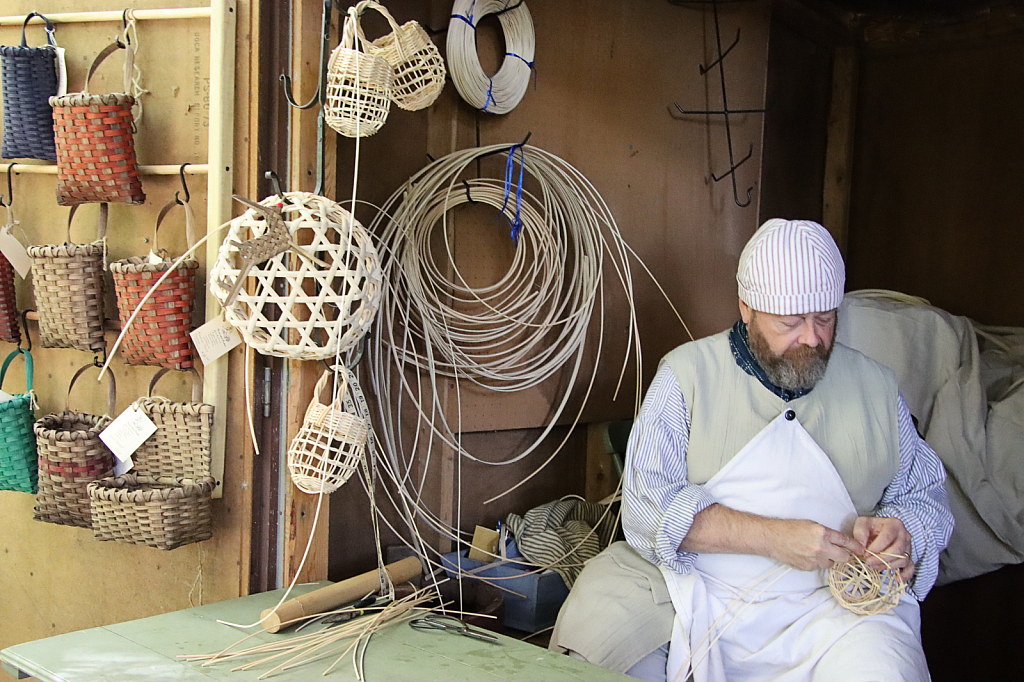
pixel 888 538
pixel 806 545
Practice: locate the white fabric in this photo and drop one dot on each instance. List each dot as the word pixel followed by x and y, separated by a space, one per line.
pixel 777 623
pixel 791 267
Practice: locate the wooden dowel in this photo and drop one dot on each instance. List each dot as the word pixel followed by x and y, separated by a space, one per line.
pixel 333 596
pixel 114 15
pixel 165 169
pixel 108 325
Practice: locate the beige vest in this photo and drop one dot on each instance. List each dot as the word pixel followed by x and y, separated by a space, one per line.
pixel 851 414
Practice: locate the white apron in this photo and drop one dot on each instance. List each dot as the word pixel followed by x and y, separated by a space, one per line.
pixel 777 623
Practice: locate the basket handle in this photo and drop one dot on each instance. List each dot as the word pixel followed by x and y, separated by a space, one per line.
pixel 111 391
pixel 102 229
pixel 28 368
pixel 321 384
pixel 197 383
pixel 370 4
pixel 190 222
pixel 106 52
pixel 50 38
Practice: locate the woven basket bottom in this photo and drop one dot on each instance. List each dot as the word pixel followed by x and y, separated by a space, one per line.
pixel 142 511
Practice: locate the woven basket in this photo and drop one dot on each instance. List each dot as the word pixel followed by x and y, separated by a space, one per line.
pixel 68 282
pixel 358 85
pixel 416 63
pixel 166 501
pixel 71 456
pixel 18 466
pixel 29 79
pixel 95 145
pixel 331 442
pixel 317 312
pixel 10 331
pixel 159 334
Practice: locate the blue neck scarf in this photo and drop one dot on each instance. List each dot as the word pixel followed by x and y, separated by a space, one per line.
pixel 739 342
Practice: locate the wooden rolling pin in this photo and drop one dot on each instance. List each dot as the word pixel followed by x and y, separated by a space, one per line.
pixel 340 593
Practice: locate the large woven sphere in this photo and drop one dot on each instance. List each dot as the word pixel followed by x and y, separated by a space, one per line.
pixel 290 306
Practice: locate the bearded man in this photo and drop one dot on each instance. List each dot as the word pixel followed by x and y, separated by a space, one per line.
pixel 762 456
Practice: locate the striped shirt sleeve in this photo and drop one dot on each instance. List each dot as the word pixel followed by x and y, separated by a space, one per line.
pixel 918 498
pixel 658 502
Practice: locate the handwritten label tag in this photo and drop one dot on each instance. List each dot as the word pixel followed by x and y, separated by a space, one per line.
pixel 15 253
pixel 62 73
pixel 214 339
pixel 125 434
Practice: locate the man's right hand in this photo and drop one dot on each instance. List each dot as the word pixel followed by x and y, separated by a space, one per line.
pixel 806 545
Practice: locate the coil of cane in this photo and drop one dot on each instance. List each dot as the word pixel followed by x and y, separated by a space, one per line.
pixel 29 80
pixel 864 590
pixel 326 450
pixel 323 311
pixel 95 144
pixel 500 93
pixel 19 470
pixel 165 502
pixel 358 85
pixel 415 61
pixel 71 455
pixel 68 283
pixel 159 335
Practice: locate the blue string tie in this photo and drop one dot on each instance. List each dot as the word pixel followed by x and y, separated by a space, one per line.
pixel 517 223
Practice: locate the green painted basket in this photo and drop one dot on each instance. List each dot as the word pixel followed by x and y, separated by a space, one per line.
pixel 19 469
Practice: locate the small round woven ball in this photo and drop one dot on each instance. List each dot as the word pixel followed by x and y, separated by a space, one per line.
pixel 864 590
pixel 293 307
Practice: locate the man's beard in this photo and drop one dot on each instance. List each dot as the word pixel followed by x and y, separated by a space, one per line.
pixel 798 368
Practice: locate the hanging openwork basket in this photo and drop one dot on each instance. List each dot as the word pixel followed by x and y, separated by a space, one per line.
pixel 358 85
pixel 165 502
pixel 416 62
pixel 71 456
pixel 330 445
pixel 68 283
pixel 308 302
pixel 159 334
pixel 18 466
pixel 29 80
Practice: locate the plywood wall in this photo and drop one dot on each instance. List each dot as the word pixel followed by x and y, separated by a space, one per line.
pixel 607 74
pixel 56 579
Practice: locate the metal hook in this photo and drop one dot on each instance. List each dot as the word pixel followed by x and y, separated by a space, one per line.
pixel 24 326
pixel 184 186
pixel 10 189
pixel 276 182
pixel 321 89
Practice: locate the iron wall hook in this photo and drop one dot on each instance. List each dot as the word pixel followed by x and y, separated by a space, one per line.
pixel 10 189
pixel 184 186
pixel 320 96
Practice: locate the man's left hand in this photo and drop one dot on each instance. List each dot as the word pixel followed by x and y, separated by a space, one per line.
pixel 888 538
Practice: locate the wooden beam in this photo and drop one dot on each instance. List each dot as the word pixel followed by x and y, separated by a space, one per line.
pixel 839 147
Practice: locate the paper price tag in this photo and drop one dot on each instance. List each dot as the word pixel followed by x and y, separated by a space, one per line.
pixel 15 253
pixel 128 432
pixel 123 466
pixel 62 73
pixel 214 339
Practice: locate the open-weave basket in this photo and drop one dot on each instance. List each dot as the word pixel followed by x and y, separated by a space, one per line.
pixel 358 85
pixel 71 456
pixel 330 444
pixel 18 466
pixel 319 312
pixel 159 334
pixel 165 502
pixel 96 145
pixel 68 283
pixel 416 63
pixel 29 80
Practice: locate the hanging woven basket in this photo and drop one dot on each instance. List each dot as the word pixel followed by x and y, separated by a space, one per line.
pixel 358 85
pixel 416 63
pixel 19 470
pixel 96 145
pixel 10 331
pixel 326 450
pixel 165 501
pixel 295 308
pixel 29 80
pixel 71 456
pixel 159 335
pixel 68 283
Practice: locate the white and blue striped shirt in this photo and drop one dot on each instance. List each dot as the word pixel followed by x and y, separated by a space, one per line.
pixel 659 503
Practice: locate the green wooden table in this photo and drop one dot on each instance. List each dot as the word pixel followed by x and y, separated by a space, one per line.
pixel 148 649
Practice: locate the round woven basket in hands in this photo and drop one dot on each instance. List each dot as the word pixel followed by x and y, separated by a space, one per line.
pixel 415 61
pixel 326 450
pixel 321 311
pixel 159 335
pixel 71 455
pixel 29 81
pixel 358 85
pixel 68 283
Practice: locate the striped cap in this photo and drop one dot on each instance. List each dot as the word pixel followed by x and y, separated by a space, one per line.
pixel 791 267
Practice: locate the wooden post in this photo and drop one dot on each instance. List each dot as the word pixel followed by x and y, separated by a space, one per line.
pixel 839 147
